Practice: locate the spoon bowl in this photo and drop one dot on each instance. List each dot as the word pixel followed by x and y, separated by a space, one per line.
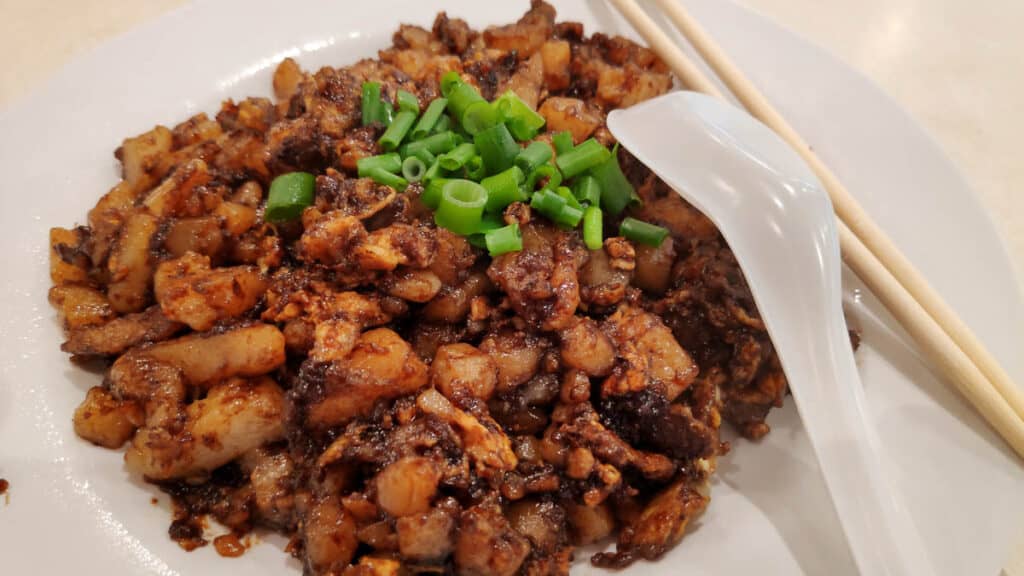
pixel 778 221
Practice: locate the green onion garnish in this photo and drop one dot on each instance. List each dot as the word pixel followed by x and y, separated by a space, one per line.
pixel 523 122
pixel 504 240
pixel 374 109
pixel 289 195
pixel 461 206
pixel 457 157
pixel 587 190
pixel 397 131
pixel 462 134
pixel 430 118
pixel 503 188
pixel 616 191
pixel 431 195
pixel 569 216
pixel 387 179
pixel 490 221
pixel 640 231
pixel 450 80
pixel 432 173
pixel 407 102
pixel 386 162
pixel 475 170
pixel 571 200
pixel 593 228
pixel 554 177
pixel 548 203
pixel 423 154
pixel 461 97
pixel 444 124
pixel 582 158
pixel 532 156
pixel 371 98
pixel 562 141
pixel 479 116
pixel 413 169
pixel 497 148
pixel 435 144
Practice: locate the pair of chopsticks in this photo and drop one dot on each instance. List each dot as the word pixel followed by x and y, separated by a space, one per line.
pixel 944 339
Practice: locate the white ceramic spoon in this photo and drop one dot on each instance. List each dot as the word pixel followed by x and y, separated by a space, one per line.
pixel 779 222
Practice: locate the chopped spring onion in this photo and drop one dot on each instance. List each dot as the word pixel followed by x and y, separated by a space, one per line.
pixel 374 109
pixel 593 224
pixel 475 170
pixel 432 173
pixel 479 117
pixel 370 101
pixel 497 148
pixel 413 169
pixel 640 231
pixel 289 195
pixel 562 142
pixel 569 216
pixel 435 144
pixel 423 154
pixel 616 191
pixel 461 206
pixel 504 240
pixel 387 179
pixel 503 188
pixel 407 102
pixel 457 157
pixel 461 97
pixel 549 171
pixel 548 203
pixel 444 123
pixel 465 153
pixel 532 156
pixel 490 221
pixel 582 158
pixel 431 195
pixel 386 162
pixel 587 190
pixel 430 118
pixel 523 122
pixel 571 200
pixel 397 131
pixel 450 80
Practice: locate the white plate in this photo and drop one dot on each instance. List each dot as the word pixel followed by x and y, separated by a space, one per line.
pixel 74 509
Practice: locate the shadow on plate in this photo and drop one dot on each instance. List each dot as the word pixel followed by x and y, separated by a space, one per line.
pixel 260 537
pixel 881 332
pixel 771 478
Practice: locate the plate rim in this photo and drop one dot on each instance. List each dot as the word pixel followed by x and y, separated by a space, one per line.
pixel 81 60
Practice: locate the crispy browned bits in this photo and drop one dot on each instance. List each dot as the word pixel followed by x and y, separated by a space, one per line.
pixel 376 388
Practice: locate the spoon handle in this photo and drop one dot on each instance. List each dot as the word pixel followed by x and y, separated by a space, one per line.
pixel 781 228
pixel 831 402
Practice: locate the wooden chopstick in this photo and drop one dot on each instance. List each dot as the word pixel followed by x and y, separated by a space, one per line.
pixel 936 345
pixel 846 206
pixel 934 326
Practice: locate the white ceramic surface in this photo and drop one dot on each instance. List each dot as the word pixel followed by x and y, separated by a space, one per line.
pixel 73 508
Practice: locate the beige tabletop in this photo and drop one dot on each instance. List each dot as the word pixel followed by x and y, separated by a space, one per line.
pixel 949 62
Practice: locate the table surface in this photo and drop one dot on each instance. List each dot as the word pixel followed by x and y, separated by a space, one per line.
pixel 945 61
